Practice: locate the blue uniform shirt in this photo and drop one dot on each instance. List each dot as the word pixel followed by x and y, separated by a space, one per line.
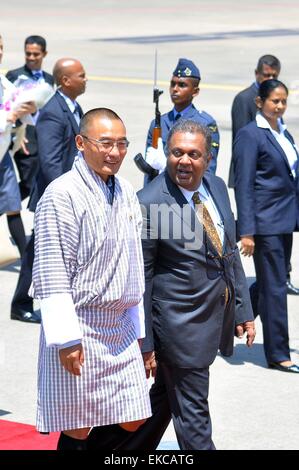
pixel 203 118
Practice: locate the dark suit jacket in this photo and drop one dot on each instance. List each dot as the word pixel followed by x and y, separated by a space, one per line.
pixel 266 192
pixel 12 76
pixel 203 118
pixel 244 108
pixel 243 111
pixel 56 129
pixel 186 318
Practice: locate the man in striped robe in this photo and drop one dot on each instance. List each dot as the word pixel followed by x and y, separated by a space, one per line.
pixel 88 276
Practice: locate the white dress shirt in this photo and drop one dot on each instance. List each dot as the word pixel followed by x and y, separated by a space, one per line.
pixel 72 105
pixel 284 142
pixel 208 201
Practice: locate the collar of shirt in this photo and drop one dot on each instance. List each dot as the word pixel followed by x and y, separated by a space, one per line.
pixel 71 104
pixel 262 122
pixel 257 85
pixel 188 194
pixel 182 113
pixel 39 74
pixel 287 146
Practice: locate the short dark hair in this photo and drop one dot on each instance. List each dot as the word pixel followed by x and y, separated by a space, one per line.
pixel 266 88
pixel 36 40
pixel 195 81
pixel 96 113
pixel 193 127
pixel 269 60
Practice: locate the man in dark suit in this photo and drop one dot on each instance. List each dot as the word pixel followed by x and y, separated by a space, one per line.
pixel 196 295
pixel 244 107
pixel 26 158
pixel 56 128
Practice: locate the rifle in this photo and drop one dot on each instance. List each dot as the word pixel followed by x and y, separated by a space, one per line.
pixel 141 163
pixel 157 132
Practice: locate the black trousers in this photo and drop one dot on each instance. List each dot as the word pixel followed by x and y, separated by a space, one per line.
pixel 271 259
pixel 187 391
pixel 181 394
pixel 288 245
pixel 21 299
pixel 27 168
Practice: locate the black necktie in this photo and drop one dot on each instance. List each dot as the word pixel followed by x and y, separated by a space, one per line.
pixel 178 116
pixel 76 113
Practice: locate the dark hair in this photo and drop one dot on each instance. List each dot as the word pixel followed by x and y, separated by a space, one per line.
pixel 195 81
pixel 269 60
pixel 96 113
pixel 268 86
pixel 193 127
pixel 36 40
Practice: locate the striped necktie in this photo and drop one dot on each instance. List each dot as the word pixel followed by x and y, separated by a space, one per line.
pixel 205 219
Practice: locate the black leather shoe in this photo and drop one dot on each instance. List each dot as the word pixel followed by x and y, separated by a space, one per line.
pixel 292 289
pixel 293 368
pixel 26 316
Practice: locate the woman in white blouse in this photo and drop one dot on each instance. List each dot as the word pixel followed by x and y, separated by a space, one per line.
pixel 267 195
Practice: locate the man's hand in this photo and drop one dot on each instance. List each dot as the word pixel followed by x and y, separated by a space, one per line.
pixel 12 116
pixel 150 364
pixel 246 327
pixel 247 245
pixel 26 108
pixel 72 358
pixel 23 146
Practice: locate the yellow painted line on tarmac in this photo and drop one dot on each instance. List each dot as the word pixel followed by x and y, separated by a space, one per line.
pixel 142 81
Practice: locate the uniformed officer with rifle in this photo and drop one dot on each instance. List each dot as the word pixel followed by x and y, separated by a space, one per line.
pixel 184 87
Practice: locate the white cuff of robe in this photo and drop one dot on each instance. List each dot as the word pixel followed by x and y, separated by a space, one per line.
pixel 137 316
pixel 59 319
pixel 69 344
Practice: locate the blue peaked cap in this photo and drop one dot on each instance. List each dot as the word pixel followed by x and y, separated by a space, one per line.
pixel 186 68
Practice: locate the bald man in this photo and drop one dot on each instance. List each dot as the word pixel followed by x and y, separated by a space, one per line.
pixel 56 128
pixel 58 124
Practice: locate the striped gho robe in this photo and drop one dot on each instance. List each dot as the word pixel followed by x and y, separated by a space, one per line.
pixel 88 274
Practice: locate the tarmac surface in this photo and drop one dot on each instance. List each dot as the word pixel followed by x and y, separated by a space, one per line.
pixel 252 407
